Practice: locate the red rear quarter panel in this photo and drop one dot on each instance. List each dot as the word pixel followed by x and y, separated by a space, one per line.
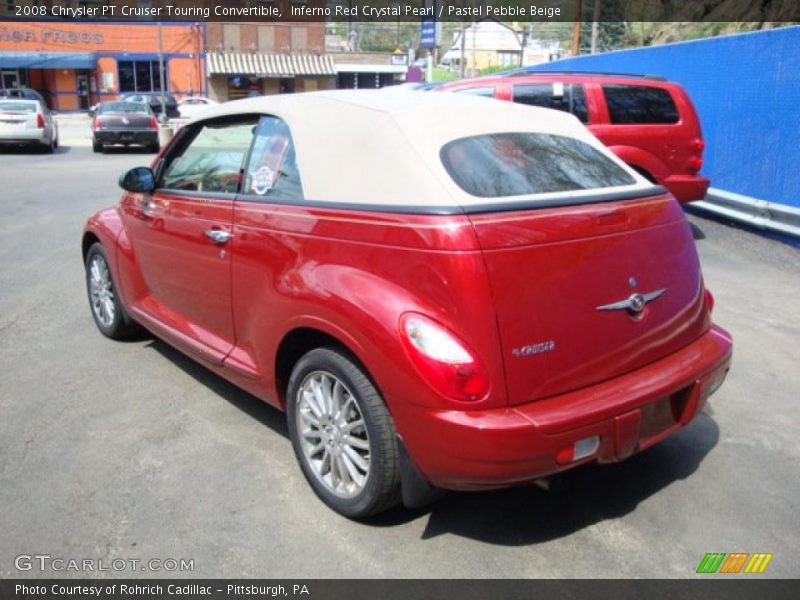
pixel 352 274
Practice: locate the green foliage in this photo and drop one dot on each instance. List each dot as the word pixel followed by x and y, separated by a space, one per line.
pixel 440 74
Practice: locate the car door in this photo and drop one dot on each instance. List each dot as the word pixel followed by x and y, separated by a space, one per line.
pixel 180 236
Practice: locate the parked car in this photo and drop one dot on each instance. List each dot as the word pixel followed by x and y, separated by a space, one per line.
pixel 23 94
pixel 463 295
pixel 126 124
pixel 27 123
pixel 648 122
pixel 153 100
pixel 191 105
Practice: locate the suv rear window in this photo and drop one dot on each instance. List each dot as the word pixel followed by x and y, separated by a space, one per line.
pixel 567 97
pixel 517 164
pixel 639 104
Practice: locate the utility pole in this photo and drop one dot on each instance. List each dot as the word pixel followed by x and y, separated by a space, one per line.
pixel 576 29
pixel 161 72
pixel 595 25
pixel 463 49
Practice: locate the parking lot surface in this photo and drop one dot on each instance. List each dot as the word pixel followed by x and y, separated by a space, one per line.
pixel 131 450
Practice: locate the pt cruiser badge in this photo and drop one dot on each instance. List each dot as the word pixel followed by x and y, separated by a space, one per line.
pixel 635 303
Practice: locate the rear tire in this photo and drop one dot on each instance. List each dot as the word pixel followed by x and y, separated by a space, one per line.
pixel 107 311
pixel 97 147
pixel 343 435
pixel 155 148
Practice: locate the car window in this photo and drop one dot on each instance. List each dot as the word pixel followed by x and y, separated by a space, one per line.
pixel 639 104
pixel 515 164
pixel 487 92
pixel 272 172
pixel 122 107
pixel 17 107
pixel 212 159
pixel 567 97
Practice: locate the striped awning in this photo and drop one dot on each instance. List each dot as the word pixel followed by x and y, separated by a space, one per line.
pixel 269 65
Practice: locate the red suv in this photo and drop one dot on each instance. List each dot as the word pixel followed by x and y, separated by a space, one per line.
pixel 648 122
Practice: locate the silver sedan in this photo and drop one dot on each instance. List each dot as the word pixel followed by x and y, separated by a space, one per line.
pixel 27 123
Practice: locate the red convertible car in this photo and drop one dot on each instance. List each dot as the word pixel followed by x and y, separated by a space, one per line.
pixel 441 291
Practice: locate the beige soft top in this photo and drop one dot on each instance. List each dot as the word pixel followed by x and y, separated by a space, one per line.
pixel 370 147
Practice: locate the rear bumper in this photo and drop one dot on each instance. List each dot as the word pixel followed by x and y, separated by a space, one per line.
pixel 144 137
pixel 24 136
pixel 468 450
pixel 687 188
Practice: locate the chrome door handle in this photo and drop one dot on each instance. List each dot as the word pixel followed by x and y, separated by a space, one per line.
pixel 147 207
pixel 218 236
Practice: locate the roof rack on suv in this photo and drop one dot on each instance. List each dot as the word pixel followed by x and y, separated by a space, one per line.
pixel 529 71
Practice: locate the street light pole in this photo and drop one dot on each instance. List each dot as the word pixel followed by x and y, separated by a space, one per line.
pixel 161 72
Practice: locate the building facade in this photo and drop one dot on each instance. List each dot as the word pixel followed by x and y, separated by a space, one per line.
pixel 77 64
pixel 246 59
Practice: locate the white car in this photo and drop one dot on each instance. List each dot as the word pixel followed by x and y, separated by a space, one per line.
pixel 27 123
pixel 190 106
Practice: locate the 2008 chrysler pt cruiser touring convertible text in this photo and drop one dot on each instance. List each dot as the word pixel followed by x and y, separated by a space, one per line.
pixel 441 291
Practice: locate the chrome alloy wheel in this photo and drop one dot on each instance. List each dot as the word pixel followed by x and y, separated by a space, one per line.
pixel 333 435
pixel 101 291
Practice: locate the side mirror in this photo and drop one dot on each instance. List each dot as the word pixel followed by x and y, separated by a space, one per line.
pixel 140 180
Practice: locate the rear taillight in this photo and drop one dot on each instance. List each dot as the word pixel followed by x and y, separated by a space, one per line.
pixel 40 121
pixel 95 123
pixel 709 300
pixel 695 164
pixel 697 144
pixel 153 123
pixel 442 359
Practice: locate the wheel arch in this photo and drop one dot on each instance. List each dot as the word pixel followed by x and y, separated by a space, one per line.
pixel 302 339
pixel 89 239
pixel 643 162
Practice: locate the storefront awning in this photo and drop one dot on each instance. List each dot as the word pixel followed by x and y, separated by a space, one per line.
pixel 269 65
pixel 48 60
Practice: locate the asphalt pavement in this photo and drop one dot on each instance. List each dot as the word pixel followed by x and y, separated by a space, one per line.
pixel 130 450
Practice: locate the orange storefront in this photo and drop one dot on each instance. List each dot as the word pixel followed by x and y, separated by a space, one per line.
pixel 75 65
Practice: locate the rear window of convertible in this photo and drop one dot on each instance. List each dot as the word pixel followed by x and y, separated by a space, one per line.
pixel 517 164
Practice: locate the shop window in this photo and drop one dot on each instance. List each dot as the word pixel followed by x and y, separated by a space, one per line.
pixel 243 87
pixel 139 76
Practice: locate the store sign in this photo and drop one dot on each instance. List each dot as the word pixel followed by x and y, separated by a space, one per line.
pixel 49 36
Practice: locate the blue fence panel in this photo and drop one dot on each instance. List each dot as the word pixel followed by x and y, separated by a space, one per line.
pixel 746 89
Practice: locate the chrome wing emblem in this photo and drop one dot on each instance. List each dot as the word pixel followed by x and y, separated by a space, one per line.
pixel 635 303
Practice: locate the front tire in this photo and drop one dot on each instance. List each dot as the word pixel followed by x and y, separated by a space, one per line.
pixel 342 434
pixel 107 310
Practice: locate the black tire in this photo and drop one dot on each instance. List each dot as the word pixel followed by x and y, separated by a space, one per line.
pixel 119 325
pixel 155 148
pixel 97 147
pixel 381 488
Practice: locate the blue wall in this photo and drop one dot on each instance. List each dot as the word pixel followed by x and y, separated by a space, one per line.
pixel 746 89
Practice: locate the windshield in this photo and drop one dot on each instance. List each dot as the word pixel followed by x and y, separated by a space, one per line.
pixel 122 107
pixel 20 107
pixel 516 164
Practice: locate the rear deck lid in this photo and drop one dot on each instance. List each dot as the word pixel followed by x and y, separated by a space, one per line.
pixel 592 274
